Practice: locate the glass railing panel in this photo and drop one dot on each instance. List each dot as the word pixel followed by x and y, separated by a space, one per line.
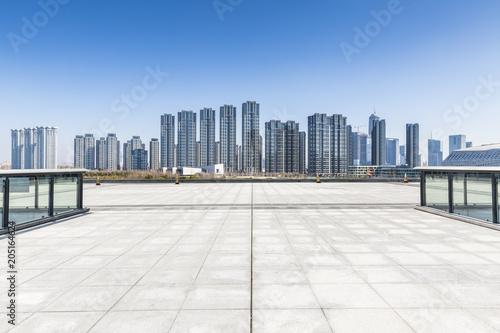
pixel 65 193
pixel 478 197
pixel 436 190
pixel 28 198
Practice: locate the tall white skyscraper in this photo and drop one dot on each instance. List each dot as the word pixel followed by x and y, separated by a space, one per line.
pixel 79 152
pixel 89 148
pixel 34 148
pixel 154 154
pixel 101 154
pixel 112 152
pixel 84 152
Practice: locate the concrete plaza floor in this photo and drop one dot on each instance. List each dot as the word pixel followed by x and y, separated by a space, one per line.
pixel 270 257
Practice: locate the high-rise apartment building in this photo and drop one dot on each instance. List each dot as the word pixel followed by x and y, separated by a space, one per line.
pixel 412 145
pixel 217 152
pixel 207 137
pixel 154 154
pixel 319 144
pixel 275 137
pixel 198 153
pixel 302 152
pixel 292 146
pixel 435 152
pixel 18 149
pixel 101 154
pixel 457 142
pixel 228 138
pixel 378 137
pixel 350 145
pixel 112 152
pixel 128 149
pixel 327 153
pixel 237 153
pixel 34 148
pixel 339 144
pixel 84 152
pixel 167 144
pixel 392 151
pixel 140 159
pixel 79 152
pixel 251 139
pixel 186 139
pixel 89 148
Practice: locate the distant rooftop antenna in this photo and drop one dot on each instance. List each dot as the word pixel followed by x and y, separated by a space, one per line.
pixel 374 111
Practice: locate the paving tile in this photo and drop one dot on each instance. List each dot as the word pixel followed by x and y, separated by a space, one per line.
pixel 165 276
pixel 210 321
pixel 348 296
pixel 224 276
pixel 412 295
pixel 88 299
pixel 443 320
pixel 135 321
pixel 210 297
pixel 366 320
pixel 386 274
pixel 290 321
pixel 115 277
pixel 59 322
pixel 153 298
pixel 276 296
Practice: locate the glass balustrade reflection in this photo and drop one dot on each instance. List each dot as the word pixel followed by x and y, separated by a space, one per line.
pixel 28 198
pixel 436 187
pixel 65 194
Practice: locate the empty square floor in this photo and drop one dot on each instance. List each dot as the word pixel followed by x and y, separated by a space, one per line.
pixel 263 257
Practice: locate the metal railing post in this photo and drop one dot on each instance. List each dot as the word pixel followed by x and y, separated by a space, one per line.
pixel 450 193
pixel 6 194
pixel 494 188
pixel 79 194
pixel 51 195
pixel 422 189
pixel 37 191
pixel 465 189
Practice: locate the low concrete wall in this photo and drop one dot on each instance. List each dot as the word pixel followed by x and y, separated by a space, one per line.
pixel 226 180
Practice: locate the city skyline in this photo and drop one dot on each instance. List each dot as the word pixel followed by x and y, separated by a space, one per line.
pixel 343 140
pixel 68 70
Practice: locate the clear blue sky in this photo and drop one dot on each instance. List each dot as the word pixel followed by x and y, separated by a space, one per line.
pixel 286 55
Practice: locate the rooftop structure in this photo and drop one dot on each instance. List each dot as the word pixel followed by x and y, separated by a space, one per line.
pixel 288 257
pixel 486 155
